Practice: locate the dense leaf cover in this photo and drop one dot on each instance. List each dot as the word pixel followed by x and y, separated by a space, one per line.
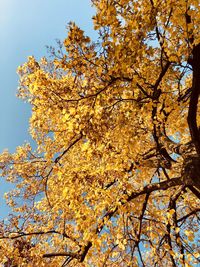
pixel 114 179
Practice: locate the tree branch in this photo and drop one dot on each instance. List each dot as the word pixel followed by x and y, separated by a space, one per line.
pixel 188 215
pixel 193 105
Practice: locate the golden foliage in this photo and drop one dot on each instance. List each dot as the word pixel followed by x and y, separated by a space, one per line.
pixel 114 122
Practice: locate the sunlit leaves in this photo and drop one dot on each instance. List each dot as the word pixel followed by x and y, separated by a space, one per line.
pixel 105 183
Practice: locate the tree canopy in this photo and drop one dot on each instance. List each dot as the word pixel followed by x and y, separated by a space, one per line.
pixel 114 179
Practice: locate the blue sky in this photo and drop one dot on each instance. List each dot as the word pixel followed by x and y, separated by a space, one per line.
pixel 26 27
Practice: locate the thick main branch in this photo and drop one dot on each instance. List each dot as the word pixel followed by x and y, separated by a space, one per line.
pixel 193 106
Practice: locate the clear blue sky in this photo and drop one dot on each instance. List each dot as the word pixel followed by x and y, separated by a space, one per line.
pixel 26 27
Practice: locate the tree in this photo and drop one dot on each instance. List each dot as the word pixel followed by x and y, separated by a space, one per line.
pixel 114 179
